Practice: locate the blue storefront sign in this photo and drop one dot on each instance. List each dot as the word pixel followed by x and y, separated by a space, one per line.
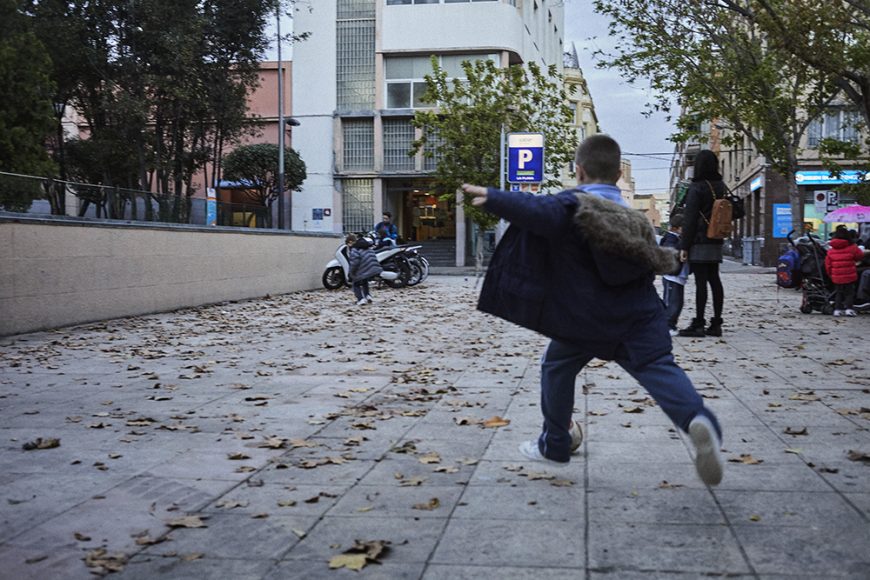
pixel 211 207
pixel 781 220
pixel 825 177
pixel 756 183
pixel 525 157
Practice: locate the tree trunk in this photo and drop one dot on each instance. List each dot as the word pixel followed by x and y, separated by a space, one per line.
pixel 795 201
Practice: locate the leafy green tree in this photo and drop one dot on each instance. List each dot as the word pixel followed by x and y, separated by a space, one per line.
pixel 462 132
pixel 26 114
pixel 257 166
pixel 166 83
pixel 833 38
pixel 721 68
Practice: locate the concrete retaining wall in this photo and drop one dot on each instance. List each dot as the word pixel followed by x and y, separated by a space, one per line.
pixel 58 273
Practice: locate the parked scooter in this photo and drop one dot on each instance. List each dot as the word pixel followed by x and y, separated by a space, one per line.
pixel 337 272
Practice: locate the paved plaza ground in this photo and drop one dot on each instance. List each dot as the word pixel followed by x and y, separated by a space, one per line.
pixel 274 434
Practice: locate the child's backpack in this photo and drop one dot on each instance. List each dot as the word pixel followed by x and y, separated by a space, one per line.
pixel 719 225
pixel 788 273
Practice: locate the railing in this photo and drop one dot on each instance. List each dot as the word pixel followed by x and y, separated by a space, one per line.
pixel 39 196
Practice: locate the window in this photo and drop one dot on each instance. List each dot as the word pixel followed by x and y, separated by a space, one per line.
pixel 355 9
pixel 398 137
pixel 357 203
pixel 404 77
pixel 434 144
pixel 839 124
pixel 359 144
pixel 355 55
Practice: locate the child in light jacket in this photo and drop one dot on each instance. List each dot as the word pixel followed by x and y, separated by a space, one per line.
pixel 674 284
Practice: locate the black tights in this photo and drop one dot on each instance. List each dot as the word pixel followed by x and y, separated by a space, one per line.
pixel 707 274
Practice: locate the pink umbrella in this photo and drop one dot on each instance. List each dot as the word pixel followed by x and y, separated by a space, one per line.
pixel 849 214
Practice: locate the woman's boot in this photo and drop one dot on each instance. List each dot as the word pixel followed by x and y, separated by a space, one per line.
pixel 696 329
pixel 715 328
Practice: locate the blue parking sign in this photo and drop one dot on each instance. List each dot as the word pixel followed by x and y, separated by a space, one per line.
pixel 525 157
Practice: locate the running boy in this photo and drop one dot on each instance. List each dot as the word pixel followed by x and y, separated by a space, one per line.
pixel 579 267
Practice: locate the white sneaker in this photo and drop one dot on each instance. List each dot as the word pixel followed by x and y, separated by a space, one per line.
pixel 361 301
pixel 531 451
pixel 674 332
pixel 850 312
pixel 838 313
pixel 708 457
pixel 369 298
pixel 576 436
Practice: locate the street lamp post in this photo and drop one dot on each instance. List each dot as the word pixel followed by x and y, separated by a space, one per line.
pixel 280 126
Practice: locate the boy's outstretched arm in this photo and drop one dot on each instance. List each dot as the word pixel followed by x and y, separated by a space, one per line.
pixel 543 215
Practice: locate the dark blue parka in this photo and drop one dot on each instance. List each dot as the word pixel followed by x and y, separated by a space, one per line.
pixel 545 276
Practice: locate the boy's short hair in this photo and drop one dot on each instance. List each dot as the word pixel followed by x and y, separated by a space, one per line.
pixel 676 220
pixel 388 214
pixel 350 238
pixel 599 156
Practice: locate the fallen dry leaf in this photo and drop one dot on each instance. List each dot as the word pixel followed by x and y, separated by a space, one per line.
pixel 446 469
pixel 858 456
pixel 432 504
pixel 40 443
pixel 361 553
pixel 286 502
pixel 354 562
pixel 429 458
pixel 273 443
pixel 187 522
pixel 237 455
pixel 805 396
pixel 665 484
pixel 561 483
pixel 104 562
pixel 495 422
pixel 232 503
pixel 467 421
pixel 746 459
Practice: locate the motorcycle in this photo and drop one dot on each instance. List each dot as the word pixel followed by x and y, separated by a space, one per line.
pixel 396 268
pixel 418 264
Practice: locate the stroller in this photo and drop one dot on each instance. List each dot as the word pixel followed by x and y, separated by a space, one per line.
pixel 816 285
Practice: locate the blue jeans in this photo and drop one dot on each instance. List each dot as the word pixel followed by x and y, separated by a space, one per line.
pixel 672 296
pixel 661 377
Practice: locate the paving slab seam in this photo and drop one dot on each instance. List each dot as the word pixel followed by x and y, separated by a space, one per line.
pixel 586 527
pixel 466 486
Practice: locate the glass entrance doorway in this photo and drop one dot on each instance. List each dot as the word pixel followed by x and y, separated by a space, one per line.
pixel 418 212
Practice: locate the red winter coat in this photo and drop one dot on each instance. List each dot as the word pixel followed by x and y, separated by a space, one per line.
pixel 840 261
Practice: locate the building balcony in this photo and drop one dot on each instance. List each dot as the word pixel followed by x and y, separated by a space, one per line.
pixel 448 27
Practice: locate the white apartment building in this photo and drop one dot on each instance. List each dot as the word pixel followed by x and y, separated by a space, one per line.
pixel 585 120
pixel 357 82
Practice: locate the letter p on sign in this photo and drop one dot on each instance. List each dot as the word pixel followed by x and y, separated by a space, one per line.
pixel 525 155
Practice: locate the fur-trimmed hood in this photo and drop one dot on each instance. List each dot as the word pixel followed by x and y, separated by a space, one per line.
pixel 622 233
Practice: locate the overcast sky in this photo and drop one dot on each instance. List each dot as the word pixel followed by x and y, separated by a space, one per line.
pixel 619 106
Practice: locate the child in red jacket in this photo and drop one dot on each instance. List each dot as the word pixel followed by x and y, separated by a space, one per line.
pixel 840 263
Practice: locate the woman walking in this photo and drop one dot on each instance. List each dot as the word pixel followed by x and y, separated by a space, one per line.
pixel 703 254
